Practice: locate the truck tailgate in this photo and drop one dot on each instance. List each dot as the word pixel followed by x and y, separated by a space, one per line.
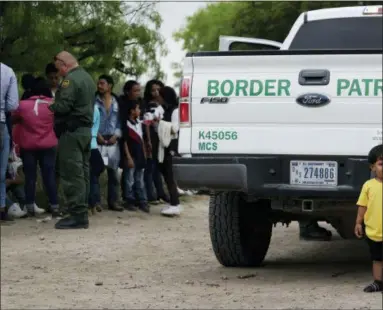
pixel 279 103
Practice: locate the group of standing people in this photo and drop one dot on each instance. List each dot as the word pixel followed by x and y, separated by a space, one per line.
pixel 140 137
pixel 74 129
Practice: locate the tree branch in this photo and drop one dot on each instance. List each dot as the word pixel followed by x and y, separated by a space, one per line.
pixel 79 44
pixel 120 67
pixel 130 43
pixel 88 53
pixel 74 35
pixel 143 6
pixel 126 71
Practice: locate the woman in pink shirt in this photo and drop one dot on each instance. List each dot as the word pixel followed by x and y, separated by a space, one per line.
pixel 37 144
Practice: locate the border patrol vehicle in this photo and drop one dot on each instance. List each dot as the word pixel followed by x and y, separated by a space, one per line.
pixel 282 134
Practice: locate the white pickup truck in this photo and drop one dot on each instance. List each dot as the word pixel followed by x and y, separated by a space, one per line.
pixel 283 135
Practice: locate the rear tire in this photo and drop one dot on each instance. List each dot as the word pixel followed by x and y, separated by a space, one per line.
pixel 240 231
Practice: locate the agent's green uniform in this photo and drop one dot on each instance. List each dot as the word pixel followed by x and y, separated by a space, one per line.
pixel 73 110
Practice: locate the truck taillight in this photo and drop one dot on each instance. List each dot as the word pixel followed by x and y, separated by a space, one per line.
pixel 184 106
pixel 185 88
pixel 184 113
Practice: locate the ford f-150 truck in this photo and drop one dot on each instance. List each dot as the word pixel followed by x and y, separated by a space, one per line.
pixel 282 135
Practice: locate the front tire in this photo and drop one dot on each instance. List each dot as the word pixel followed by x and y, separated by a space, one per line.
pixel 240 231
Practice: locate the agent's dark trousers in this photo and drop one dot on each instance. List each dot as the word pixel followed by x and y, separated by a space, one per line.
pixel 166 168
pixel 74 149
pixel 46 158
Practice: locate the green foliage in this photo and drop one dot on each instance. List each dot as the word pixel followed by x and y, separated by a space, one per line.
pixel 259 19
pixel 116 36
pixel 206 25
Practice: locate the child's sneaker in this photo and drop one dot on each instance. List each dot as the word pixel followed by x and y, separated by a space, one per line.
pixel 38 210
pixel 16 212
pixel 181 192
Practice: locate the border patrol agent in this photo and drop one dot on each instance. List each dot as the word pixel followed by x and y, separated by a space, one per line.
pixel 73 110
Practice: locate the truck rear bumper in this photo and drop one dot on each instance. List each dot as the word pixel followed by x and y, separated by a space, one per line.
pixel 268 176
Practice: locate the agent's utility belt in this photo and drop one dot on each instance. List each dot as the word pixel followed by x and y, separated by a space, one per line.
pixel 64 127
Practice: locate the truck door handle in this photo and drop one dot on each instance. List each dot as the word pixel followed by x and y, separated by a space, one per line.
pixel 314 77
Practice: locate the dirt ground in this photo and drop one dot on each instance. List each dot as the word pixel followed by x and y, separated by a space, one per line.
pixel 140 261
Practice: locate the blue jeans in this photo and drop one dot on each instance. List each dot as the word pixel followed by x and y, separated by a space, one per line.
pixel 46 158
pixel 134 186
pixel 112 188
pixel 4 154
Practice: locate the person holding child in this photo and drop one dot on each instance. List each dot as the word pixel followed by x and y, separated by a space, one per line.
pixel 153 110
pixel 168 128
pixel 369 217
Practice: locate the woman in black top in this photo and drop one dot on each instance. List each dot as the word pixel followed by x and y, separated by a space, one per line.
pixel 170 105
pixel 153 100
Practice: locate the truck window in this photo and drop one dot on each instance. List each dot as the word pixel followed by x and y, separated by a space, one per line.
pixel 340 33
pixel 240 46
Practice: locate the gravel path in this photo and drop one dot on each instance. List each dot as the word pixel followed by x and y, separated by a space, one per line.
pixel 139 261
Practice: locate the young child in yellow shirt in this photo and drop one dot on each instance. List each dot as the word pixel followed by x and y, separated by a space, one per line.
pixel 370 214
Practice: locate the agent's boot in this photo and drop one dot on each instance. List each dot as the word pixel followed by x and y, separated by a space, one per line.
pixel 73 221
pixel 311 231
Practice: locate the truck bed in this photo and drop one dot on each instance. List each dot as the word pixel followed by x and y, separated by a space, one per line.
pixel 277 102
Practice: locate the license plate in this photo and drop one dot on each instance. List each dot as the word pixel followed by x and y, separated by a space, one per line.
pixel 319 173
